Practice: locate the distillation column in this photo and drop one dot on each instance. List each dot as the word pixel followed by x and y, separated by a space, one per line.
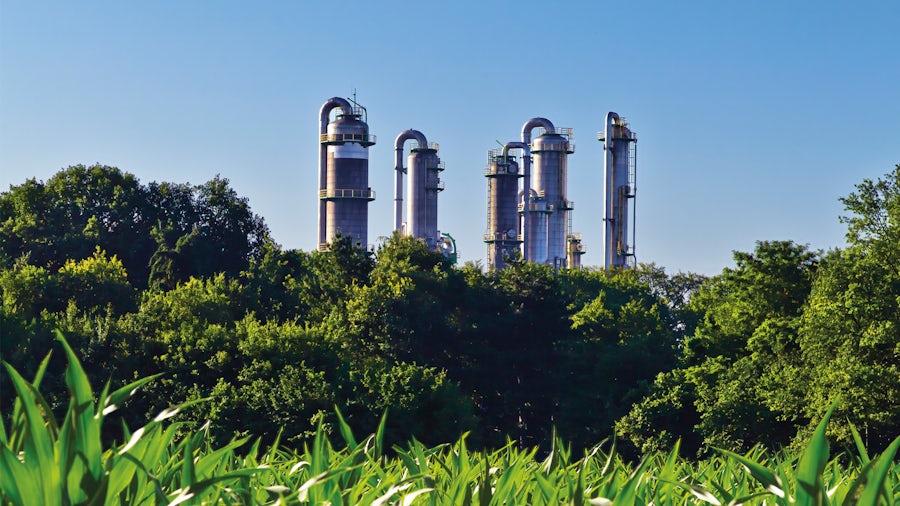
pixel 502 237
pixel 423 185
pixel 344 192
pixel 549 176
pixel 422 189
pixel 620 178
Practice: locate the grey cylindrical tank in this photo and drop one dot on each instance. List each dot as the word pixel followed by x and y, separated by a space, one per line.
pixel 423 185
pixel 347 193
pixel 502 235
pixel 433 185
pixel 539 212
pixel 549 176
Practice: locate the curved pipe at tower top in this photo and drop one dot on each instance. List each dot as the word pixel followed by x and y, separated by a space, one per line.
pixel 398 170
pixel 610 117
pixel 515 145
pixel 324 113
pixel 534 123
pixel 329 105
pixel 526 173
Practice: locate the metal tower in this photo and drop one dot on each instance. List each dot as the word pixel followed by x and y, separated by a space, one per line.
pixel 620 181
pixel 344 192
pixel 424 183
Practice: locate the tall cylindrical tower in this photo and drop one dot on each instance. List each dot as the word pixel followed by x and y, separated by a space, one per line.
pixel 502 235
pixel 423 185
pixel 344 192
pixel 620 181
pixel 399 170
pixel 549 180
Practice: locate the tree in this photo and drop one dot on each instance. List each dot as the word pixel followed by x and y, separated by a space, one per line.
pixel 619 342
pixel 741 361
pixel 201 230
pixel 850 332
pixel 97 282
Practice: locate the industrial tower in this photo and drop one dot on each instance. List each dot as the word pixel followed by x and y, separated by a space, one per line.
pixel 535 222
pixel 344 192
pixel 424 183
pixel 620 181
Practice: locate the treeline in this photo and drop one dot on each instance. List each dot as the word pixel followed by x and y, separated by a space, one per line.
pixel 184 280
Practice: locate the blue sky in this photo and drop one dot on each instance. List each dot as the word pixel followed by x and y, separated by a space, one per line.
pixel 753 118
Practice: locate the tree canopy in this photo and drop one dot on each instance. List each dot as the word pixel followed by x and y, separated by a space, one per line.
pixel 184 280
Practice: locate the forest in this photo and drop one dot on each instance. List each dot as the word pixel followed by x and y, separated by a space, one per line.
pixel 185 281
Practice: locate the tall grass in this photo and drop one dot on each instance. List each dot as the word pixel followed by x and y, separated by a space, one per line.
pixel 43 461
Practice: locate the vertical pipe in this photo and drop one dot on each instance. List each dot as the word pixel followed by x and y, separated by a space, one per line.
pixel 609 192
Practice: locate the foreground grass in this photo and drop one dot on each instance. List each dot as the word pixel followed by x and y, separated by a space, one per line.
pixel 43 461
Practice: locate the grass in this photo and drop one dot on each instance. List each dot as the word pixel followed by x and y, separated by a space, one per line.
pixel 43 461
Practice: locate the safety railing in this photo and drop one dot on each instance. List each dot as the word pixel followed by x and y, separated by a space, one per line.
pixel 347 193
pixel 439 186
pixel 502 236
pixel 537 207
pixel 431 145
pixel 494 155
pixel 566 205
pixel 358 138
pixel 620 133
pixel 565 132
pixel 436 166
pixel 501 170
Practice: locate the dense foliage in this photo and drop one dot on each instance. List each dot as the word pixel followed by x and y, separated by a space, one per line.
pixel 48 461
pixel 183 281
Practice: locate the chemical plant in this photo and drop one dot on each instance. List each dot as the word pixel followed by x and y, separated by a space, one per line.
pixel 529 216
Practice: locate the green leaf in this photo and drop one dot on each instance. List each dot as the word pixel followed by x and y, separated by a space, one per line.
pixel 879 472
pixel 37 441
pixel 346 432
pixel 769 480
pixel 860 447
pixel 810 489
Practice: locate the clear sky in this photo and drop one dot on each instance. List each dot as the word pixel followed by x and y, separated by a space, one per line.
pixel 752 118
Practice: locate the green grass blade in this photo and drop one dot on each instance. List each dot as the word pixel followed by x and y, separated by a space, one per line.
pixel 188 475
pixel 86 426
pixel 810 489
pixel 16 482
pixel 860 447
pixel 695 490
pixel 875 486
pixel 768 479
pixel 346 433
pixel 37 441
pixel 379 435
pixel 113 401
pixel 628 494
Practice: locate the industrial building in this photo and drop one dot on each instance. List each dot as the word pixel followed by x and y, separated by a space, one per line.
pixel 532 222
pixel 529 214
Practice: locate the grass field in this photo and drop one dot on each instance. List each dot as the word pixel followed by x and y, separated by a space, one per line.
pixel 46 461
